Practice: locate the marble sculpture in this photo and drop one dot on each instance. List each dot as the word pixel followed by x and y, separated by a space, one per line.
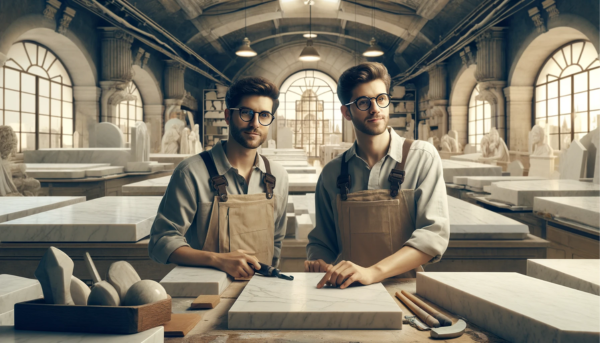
pixel 121 275
pixel 8 141
pixel 493 147
pixel 144 292
pixel 195 145
pixel 142 142
pixel 108 135
pixel 538 142
pixel 171 139
pixel 80 292
pixel 184 141
pixel 450 144
pixel 54 274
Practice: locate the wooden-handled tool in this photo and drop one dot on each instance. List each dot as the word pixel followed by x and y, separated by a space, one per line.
pixel 424 316
pixel 444 321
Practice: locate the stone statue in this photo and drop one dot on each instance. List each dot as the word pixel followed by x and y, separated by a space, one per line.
pixel 494 148
pixel 170 142
pixel 184 147
pixel 8 142
pixel 198 142
pixel 450 144
pixel 538 142
pixel 142 142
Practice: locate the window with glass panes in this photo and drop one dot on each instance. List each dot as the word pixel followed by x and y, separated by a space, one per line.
pixel 129 111
pixel 567 93
pixel 479 118
pixel 36 98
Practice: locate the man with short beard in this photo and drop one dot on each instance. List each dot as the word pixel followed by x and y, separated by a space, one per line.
pixel 225 208
pixel 381 207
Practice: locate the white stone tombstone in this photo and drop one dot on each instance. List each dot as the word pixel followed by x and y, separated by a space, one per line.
pixel 76 139
pixel 108 135
pixel 284 138
pixel 515 168
pixel 140 142
pixel 470 149
pixel 573 162
pixel 184 146
pixel 271 144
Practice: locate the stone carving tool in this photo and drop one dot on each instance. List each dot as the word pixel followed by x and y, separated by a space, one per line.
pixel 453 331
pixel 416 323
pixel 424 316
pixel 444 321
pixel 272 272
pixel 91 267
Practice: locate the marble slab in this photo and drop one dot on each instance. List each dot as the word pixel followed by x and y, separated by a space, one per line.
pixel 56 174
pixel 106 219
pixel 156 186
pixel 584 210
pixel 271 303
pixel 15 289
pixel 522 193
pixel 113 156
pixel 17 207
pixel 169 158
pixel 190 282
pixel 270 152
pixel 453 168
pixel 580 274
pixel 63 166
pixel 287 157
pixel 290 205
pixel 515 307
pixel 104 171
pixel 476 183
pixel 303 182
pixel 7 318
pixel 291 225
pixel 305 204
pixel 301 170
pixel 8 334
pixel 467 157
pixel 468 221
pixel 286 164
pixel 304 227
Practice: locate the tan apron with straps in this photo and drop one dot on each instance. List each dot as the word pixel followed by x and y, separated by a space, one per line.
pixel 375 224
pixel 241 221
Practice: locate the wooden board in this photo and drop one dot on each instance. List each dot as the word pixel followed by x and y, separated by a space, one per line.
pixel 181 323
pixel 206 301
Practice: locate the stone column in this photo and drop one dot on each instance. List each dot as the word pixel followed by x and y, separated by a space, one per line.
pixel 174 87
pixel 154 122
pixel 518 107
pixel 438 94
pixel 87 112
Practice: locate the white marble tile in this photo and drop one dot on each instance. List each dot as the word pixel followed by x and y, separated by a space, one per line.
pixel 460 180
pixel 522 193
pixel 305 226
pixel 453 168
pixel 7 318
pixel 64 166
pixel 194 281
pixel 152 186
pixel 585 210
pixel 271 303
pixel 580 274
pixel 106 219
pixel 17 207
pixel 477 183
pixel 15 289
pixel 8 334
pixel 468 221
pixel 303 182
pixel 516 307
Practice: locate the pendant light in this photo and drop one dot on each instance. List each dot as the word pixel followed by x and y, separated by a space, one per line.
pixel 245 50
pixel 374 50
pixel 309 53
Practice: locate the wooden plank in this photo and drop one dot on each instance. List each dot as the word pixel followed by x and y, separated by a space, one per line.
pixel 206 301
pixel 181 323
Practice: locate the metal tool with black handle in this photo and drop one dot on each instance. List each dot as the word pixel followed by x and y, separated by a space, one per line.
pixel 272 272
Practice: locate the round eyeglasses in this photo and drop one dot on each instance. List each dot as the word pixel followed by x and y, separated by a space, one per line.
pixel 363 103
pixel 265 118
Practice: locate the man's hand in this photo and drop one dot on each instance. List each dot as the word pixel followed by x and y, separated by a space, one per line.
pixel 345 273
pixel 238 264
pixel 318 266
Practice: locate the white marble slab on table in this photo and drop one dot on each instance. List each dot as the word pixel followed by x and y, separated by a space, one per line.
pixel 7 318
pixel 15 289
pixel 291 208
pixel 304 227
pixel 194 281
pixel 113 156
pixel 458 168
pixel 522 193
pixel 106 219
pixel 104 171
pixel 580 274
pixel 286 164
pixel 303 182
pixel 272 303
pixel 584 210
pixel 467 157
pixel 151 186
pixel 64 166
pixel 287 157
pixel 268 152
pixel 57 174
pixel 468 221
pixel 515 307
pixel 478 182
pixel 8 334
pixel 301 170
pixel 17 207
pixel 169 158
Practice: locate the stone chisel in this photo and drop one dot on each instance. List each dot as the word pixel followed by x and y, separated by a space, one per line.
pixel 424 316
pixel 272 272
pixel 444 321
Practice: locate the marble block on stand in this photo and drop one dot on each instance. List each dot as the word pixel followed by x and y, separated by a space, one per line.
pixel 8 334
pixel 584 210
pixel 303 182
pixel 304 227
pixel 515 307
pixel 104 171
pixel 290 205
pixel 190 282
pixel 458 168
pixel 519 193
pixel 18 207
pixel 16 289
pixel 541 166
pixel 580 274
pixel 291 225
pixel 155 187
pixel 106 219
pixel 272 304
pixel 476 183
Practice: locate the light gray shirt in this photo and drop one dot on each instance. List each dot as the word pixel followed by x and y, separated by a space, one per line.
pixel 423 173
pixel 184 212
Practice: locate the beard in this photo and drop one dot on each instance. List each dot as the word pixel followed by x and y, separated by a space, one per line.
pixel 371 129
pixel 238 134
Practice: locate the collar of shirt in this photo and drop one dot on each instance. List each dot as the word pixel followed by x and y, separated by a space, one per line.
pixel 222 163
pixel 394 151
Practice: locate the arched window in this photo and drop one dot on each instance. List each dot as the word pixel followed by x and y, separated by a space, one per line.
pixel 567 93
pixel 309 106
pixel 479 117
pixel 36 98
pixel 129 111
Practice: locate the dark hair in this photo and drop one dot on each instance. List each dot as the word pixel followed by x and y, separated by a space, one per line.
pixel 362 73
pixel 255 85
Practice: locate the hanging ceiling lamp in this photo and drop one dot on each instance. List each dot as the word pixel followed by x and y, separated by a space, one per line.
pixel 374 50
pixel 309 53
pixel 245 50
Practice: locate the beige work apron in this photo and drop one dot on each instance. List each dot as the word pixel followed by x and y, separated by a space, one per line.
pixel 374 224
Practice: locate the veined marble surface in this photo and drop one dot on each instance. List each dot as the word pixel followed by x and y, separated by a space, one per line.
pixel 303 182
pixel 64 166
pixel 585 210
pixel 272 303
pixel 17 207
pixel 468 221
pixel 522 193
pixel 580 274
pixel 106 219
pixel 15 289
pixel 8 334
pixel 453 168
pixel 194 281
pixel 516 307
pixel 153 186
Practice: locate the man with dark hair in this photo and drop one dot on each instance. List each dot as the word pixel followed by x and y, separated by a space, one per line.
pixel 225 208
pixel 381 207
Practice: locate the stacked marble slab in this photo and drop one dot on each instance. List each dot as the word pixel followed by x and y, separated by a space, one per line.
pixel 303 183
pixel 151 187
pixel 474 157
pixel 16 289
pixel 453 168
pixel 71 170
pixel 522 193
pixel 583 210
pixel 12 208
pixel 478 183
pixel 302 218
pixel 580 274
pixel 190 282
pixel 107 219
pixel 273 304
pixel 515 307
pixel 8 334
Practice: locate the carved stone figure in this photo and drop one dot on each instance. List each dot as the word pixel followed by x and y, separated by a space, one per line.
pixel 198 142
pixel 142 142
pixel 538 142
pixel 450 144
pixel 494 148
pixel 170 142
pixel 184 146
pixel 8 142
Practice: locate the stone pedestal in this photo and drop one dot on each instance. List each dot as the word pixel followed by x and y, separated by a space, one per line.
pixel 541 166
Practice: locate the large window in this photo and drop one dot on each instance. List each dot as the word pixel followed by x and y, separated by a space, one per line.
pixel 479 117
pixel 309 106
pixel 36 98
pixel 567 93
pixel 128 112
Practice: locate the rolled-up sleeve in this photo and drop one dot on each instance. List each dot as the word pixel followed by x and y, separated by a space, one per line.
pixel 432 222
pixel 176 213
pixel 281 219
pixel 322 240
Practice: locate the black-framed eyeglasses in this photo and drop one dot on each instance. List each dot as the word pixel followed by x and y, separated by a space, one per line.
pixel 265 118
pixel 363 103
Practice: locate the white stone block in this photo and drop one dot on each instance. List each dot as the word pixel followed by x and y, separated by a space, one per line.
pixel 16 289
pixel 519 193
pixel 573 162
pixel 305 226
pixel 580 209
pixel 190 282
pixel 541 166
pixel 578 274
pixel 515 168
pixel 8 334
pixel 18 207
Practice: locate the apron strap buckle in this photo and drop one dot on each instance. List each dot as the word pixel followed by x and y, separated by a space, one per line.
pixel 220 183
pixel 343 183
pixel 396 179
pixel 270 182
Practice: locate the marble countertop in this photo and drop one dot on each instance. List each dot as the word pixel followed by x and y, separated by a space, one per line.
pixel 8 334
pixel 584 210
pixel 581 274
pixel 522 193
pixel 17 207
pixel 158 184
pixel 64 166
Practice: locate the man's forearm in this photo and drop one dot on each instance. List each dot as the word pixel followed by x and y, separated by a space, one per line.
pixel 191 257
pixel 404 260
